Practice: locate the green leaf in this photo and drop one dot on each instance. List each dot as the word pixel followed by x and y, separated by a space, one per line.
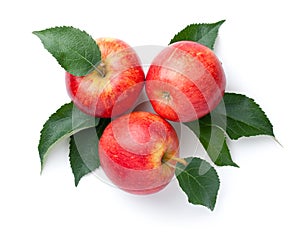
pixel 83 153
pixel 214 142
pixel 205 34
pixel 239 116
pixel 75 50
pixel 199 180
pixel 84 157
pixel 66 121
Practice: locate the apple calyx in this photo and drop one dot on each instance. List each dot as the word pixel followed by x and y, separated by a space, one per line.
pixel 166 95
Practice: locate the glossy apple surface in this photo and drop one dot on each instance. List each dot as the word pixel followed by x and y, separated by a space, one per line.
pixel 114 86
pixel 185 81
pixel 137 152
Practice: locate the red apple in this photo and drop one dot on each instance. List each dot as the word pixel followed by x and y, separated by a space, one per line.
pixel 114 86
pixel 185 81
pixel 138 152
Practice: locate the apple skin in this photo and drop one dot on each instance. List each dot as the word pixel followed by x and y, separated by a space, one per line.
pixel 117 89
pixel 185 81
pixel 135 152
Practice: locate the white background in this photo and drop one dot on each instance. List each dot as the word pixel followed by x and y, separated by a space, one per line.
pixel 259 48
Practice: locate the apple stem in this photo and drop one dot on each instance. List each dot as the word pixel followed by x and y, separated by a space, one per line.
pixel 179 160
pixel 101 69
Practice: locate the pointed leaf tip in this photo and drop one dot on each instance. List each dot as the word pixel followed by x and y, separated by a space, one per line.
pixel 75 50
pixel 202 33
pixel 199 180
pixel 66 121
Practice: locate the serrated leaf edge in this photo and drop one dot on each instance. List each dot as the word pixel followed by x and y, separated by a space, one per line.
pixel 102 122
pixel 44 156
pixel 76 179
pixel 43 160
pixel 258 106
pixel 233 164
pixel 217 24
pixel 94 67
pixel 226 138
pixel 211 205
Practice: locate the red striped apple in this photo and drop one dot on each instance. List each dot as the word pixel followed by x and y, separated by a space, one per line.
pixel 138 152
pixel 185 81
pixel 114 86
